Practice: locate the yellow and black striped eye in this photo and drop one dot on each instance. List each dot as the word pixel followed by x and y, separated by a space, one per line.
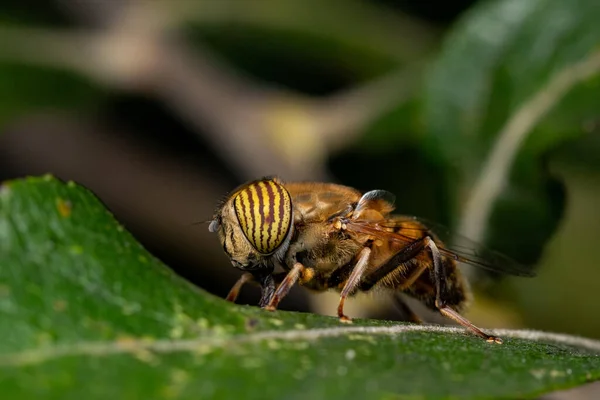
pixel 264 211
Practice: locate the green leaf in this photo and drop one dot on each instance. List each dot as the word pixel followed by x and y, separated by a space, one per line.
pixel 514 80
pixel 348 37
pixel 25 89
pixel 87 313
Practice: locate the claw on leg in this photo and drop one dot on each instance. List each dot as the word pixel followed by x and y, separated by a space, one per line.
pixel 450 313
pixel 343 318
pixel 444 309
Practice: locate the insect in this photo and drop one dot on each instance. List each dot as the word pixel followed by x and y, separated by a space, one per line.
pixel 328 236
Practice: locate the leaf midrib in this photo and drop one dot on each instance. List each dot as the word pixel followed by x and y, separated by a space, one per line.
pixel 214 341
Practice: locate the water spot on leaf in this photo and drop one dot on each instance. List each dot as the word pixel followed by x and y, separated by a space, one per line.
pixel 276 322
pixel 203 323
pixel 176 332
pixel 222 330
pixel 148 339
pixel 301 345
pixel 273 345
pixel 556 374
pixel 538 373
pixel 200 351
pixel 146 356
pixel 364 338
pixel 350 354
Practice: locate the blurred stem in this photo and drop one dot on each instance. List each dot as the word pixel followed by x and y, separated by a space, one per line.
pixel 346 114
pixel 259 129
pixel 45 47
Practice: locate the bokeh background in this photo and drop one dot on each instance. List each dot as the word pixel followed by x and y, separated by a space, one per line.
pixel 162 107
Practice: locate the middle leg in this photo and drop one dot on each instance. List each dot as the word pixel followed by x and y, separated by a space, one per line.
pixel 406 311
pixel 353 281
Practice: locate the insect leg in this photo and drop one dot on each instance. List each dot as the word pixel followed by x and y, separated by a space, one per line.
pixel 269 284
pixel 353 281
pixel 235 290
pixel 445 310
pixel 406 311
pixel 265 280
pixel 285 286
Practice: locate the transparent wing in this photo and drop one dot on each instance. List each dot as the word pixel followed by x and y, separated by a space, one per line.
pixel 406 229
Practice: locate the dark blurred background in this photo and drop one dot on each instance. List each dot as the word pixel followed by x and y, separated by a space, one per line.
pixel 162 107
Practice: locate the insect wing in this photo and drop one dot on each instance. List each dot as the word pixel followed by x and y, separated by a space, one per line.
pixel 378 200
pixel 315 201
pixel 406 230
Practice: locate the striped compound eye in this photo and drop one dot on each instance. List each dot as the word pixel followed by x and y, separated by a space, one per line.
pixel 264 211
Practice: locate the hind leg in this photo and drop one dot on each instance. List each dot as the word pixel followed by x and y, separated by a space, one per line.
pixel 440 283
pixel 407 313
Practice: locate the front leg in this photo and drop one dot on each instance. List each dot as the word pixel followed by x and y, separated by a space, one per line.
pixel 267 285
pixel 296 272
pixel 283 289
pixel 265 279
pixel 235 290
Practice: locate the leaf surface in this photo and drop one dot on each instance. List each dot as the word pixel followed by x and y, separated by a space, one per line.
pixel 87 312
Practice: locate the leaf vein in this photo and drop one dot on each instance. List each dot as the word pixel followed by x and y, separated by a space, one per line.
pixel 207 344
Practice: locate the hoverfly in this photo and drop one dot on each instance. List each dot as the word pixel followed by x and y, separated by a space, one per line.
pixel 329 236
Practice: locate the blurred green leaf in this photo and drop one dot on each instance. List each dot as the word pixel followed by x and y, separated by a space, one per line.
pixel 25 89
pixel 353 35
pixel 88 313
pixel 301 61
pixel 501 56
